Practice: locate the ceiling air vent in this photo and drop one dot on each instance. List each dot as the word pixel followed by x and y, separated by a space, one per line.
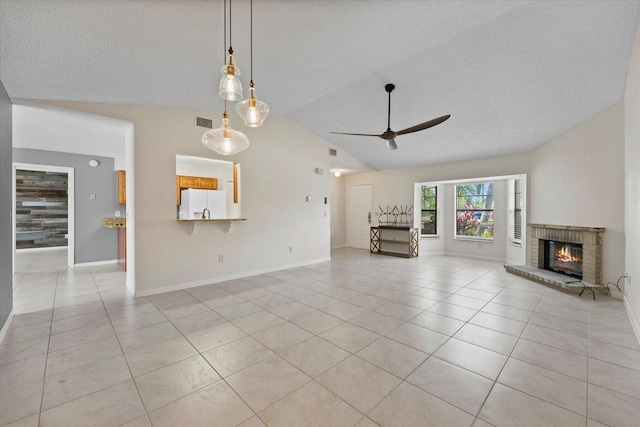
pixel 333 152
pixel 204 123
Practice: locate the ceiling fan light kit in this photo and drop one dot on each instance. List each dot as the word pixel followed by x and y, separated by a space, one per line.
pixel 390 135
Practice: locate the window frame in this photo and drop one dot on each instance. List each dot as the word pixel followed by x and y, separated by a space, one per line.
pixel 516 208
pixel 435 211
pixel 457 236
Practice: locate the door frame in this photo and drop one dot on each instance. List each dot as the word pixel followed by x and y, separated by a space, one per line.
pixel 370 185
pixel 70 205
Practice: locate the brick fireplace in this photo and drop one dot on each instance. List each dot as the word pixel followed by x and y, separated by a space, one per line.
pixel 589 237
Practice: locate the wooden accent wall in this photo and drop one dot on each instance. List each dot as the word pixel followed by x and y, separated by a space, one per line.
pixel 41 209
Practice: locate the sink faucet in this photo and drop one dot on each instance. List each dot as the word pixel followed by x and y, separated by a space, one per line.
pixel 208 214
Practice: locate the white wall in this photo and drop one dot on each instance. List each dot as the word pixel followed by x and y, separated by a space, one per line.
pixel 632 184
pixel 277 175
pixel 577 179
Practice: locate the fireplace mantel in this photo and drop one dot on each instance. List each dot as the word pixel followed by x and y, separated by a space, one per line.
pixel 589 237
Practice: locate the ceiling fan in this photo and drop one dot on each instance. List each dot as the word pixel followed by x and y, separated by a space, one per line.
pixel 390 135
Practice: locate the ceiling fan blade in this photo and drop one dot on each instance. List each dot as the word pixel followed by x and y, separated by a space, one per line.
pixel 424 125
pixel 391 144
pixel 356 134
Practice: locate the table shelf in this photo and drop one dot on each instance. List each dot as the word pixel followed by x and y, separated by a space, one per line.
pixel 394 241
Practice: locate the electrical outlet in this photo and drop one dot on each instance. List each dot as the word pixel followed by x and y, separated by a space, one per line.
pixel 290 249
pixel 117 214
pixel 220 258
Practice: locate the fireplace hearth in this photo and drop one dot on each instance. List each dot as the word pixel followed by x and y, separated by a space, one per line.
pixel 564 256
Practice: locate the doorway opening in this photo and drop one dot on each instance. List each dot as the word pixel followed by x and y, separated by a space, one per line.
pixel 43 208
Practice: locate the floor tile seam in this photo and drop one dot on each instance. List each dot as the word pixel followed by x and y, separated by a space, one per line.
pixel 200 388
pixel 585 415
pixel 487 348
pixel 132 378
pixel 90 323
pixel 613 330
pixel 446 401
pixel 46 361
pixel 545 367
pixel 92 393
pixel 314 380
pixel 589 382
pixel 310 379
pixel 382 368
pixel 615 364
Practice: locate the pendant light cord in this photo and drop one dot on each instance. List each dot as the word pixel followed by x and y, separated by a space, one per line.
pixel 225 31
pixel 230 29
pixel 251 40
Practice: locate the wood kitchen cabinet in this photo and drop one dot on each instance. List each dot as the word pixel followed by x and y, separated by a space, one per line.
pixel 202 183
pixel 122 187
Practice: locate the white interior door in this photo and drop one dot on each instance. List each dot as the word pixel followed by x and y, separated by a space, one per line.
pixel 360 202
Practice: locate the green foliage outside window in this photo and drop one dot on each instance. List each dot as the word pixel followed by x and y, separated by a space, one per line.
pixel 474 210
pixel 429 217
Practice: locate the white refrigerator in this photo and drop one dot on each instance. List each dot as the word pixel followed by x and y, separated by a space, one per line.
pixel 193 203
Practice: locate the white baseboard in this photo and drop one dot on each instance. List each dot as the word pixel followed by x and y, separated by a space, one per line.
pixel 5 328
pixel 188 285
pixel 338 247
pixel 634 321
pixel 95 263
pixel 47 249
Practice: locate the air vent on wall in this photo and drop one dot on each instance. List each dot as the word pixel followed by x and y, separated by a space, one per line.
pixel 205 123
pixel 333 152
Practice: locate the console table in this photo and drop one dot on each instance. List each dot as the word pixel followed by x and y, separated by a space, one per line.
pixel 394 241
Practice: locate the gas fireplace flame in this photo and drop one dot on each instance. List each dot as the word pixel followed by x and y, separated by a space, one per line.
pixel 564 255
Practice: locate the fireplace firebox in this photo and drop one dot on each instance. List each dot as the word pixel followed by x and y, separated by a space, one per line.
pixel 563 257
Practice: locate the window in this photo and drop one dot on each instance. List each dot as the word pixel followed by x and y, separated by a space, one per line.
pixel 474 210
pixel 429 215
pixel 515 210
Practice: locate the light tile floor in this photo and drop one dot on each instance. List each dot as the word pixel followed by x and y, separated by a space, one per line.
pixel 362 340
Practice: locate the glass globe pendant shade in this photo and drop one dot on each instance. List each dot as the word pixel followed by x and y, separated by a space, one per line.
pixel 252 111
pixel 230 87
pixel 225 140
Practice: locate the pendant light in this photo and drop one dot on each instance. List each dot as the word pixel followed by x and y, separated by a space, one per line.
pixel 252 111
pixel 225 140
pixel 230 88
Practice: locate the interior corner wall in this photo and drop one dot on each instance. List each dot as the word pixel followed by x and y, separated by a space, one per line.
pixel 277 175
pixel 6 206
pixel 93 241
pixel 337 205
pixel 632 185
pixel 578 179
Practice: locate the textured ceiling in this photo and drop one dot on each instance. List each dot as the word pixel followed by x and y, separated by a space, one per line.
pixel 512 74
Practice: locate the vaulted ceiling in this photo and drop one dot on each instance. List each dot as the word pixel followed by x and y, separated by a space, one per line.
pixel 512 74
